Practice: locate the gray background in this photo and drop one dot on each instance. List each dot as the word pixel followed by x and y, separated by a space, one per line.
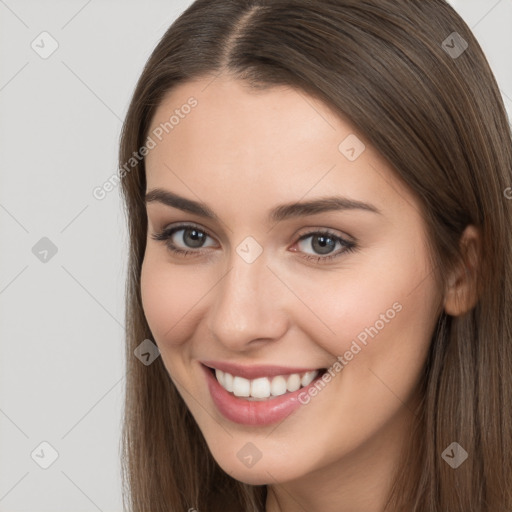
pixel 61 315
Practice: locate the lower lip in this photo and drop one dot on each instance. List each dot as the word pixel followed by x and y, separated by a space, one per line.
pixel 248 412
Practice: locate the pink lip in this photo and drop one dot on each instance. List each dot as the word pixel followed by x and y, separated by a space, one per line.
pixel 253 372
pixel 253 413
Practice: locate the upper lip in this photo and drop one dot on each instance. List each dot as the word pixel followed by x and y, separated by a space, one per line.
pixel 255 371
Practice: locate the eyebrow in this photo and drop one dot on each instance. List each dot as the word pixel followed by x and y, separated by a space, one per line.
pixel 277 214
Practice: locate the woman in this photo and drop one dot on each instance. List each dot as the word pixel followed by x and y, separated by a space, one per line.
pixel 320 250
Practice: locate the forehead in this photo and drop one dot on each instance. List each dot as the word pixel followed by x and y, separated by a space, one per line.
pixel 228 110
pixel 219 136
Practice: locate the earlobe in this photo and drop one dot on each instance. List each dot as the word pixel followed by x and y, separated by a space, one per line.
pixel 461 292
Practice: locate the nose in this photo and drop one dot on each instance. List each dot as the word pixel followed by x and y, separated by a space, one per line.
pixel 249 305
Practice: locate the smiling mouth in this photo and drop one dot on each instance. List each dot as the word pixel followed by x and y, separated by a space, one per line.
pixel 264 388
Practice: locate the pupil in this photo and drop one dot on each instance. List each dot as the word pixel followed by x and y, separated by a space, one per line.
pixel 196 236
pixel 325 244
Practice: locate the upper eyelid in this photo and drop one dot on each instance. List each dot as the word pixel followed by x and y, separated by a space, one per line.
pixel 179 227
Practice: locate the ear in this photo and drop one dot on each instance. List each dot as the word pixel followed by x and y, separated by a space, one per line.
pixel 461 294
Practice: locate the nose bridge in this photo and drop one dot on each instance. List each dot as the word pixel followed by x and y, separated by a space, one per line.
pixel 245 304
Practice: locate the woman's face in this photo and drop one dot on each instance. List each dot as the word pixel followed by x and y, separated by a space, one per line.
pixel 271 291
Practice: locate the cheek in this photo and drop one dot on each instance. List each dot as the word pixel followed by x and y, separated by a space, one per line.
pixel 171 298
pixel 378 306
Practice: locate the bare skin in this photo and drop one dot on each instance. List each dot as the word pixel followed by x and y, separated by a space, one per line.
pixel 243 153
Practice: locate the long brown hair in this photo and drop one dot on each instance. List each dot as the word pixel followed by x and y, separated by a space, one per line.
pixel 432 108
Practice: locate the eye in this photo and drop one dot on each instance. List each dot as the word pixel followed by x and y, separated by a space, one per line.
pixel 188 240
pixel 189 236
pixel 324 243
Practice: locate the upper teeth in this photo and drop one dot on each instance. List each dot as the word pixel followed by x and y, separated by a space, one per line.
pixel 263 387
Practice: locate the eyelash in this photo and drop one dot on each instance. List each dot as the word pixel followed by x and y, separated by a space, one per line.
pixel 166 234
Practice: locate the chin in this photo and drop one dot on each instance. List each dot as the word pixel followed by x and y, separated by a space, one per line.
pixel 269 471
